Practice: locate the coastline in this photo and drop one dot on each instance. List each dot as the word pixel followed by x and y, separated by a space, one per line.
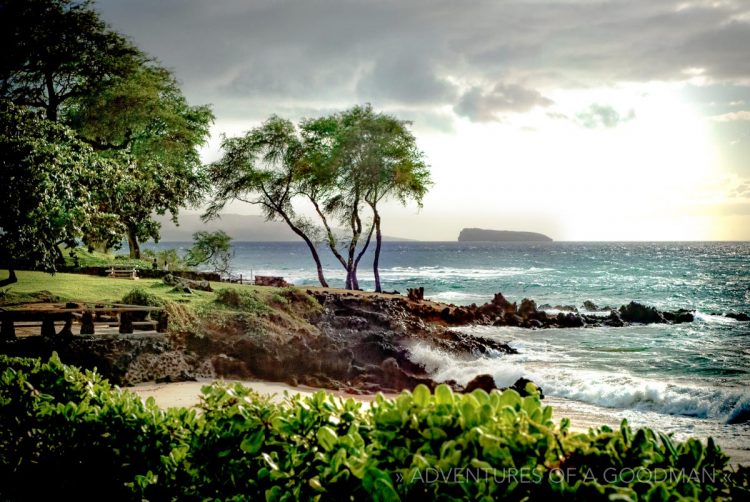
pixel 582 416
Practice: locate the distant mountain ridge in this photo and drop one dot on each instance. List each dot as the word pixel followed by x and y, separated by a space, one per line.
pixel 240 227
pixel 484 235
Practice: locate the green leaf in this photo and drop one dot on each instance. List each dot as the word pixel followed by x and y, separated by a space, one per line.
pixel 327 438
pixel 443 394
pixel 421 395
pixel 510 398
pixel 252 443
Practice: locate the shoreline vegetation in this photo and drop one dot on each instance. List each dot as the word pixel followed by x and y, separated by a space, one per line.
pixel 61 421
pixel 351 343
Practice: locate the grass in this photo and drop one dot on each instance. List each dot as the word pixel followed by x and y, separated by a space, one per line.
pixel 90 288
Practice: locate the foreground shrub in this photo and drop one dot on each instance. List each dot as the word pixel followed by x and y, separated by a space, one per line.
pixel 67 432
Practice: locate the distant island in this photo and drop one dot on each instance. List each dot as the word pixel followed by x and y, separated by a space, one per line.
pixel 483 235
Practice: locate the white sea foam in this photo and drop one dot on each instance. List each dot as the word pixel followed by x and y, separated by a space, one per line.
pixel 400 273
pixel 714 319
pixel 611 390
pixel 457 296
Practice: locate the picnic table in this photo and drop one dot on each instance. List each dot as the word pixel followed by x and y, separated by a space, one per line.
pixel 125 317
pixel 123 272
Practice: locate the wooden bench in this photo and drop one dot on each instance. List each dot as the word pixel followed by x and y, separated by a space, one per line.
pixel 123 272
pixel 127 319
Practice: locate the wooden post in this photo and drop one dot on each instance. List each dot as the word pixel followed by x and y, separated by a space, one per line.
pixel 162 322
pixel 67 331
pixel 8 331
pixel 126 323
pixel 87 323
pixel 48 327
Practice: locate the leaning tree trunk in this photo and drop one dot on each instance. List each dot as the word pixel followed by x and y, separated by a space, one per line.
pixel 378 246
pixel 135 248
pixel 310 245
pixel 10 279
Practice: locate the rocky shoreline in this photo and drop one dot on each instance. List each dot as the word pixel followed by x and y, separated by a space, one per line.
pixel 350 341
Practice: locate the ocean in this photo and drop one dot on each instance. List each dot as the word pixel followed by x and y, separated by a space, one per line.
pixel 689 379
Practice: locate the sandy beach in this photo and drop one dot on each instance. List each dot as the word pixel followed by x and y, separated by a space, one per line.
pixel 582 416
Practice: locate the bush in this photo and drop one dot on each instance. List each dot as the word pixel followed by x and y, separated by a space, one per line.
pixel 68 433
pixel 243 299
pixel 140 296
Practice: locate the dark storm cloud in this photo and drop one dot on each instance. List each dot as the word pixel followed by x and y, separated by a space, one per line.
pixel 247 56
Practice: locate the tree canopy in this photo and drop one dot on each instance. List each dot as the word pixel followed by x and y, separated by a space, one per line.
pixel 44 170
pixel 341 165
pixel 145 123
pixel 58 50
pixel 359 158
pixel 60 57
pixel 211 248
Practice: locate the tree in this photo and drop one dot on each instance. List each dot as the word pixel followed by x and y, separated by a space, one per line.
pixel 58 50
pixel 327 180
pixel 60 57
pixel 390 166
pixel 359 158
pixel 44 175
pixel 144 122
pixel 340 164
pixel 212 248
pixel 263 168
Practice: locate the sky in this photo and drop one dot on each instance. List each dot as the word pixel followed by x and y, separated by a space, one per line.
pixel 580 119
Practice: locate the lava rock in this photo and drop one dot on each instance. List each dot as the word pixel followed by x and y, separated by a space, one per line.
pixel 636 312
pixel 484 382
pixel 527 308
pixel 614 320
pixel 520 387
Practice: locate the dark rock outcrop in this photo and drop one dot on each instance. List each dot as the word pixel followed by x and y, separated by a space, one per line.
pixel 186 285
pixel 521 384
pixel 679 316
pixel 643 314
pixel 484 382
pixel 527 309
pixel 738 316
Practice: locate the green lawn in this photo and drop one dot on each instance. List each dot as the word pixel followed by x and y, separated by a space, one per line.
pixel 89 288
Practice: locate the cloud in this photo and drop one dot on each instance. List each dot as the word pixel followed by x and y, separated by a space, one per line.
pixel 742 190
pixel 404 80
pixel 732 116
pixel 603 116
pixel 249 56
pixel 482 106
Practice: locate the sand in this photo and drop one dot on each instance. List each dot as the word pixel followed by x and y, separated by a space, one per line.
pixel 582 416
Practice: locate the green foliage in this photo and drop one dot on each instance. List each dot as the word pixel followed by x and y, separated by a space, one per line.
pixel 241 299
pixel 60 57
pixel 354 160
pixel 139 296
pixel 60 424
pixel 144 123
pixel 211 248
pixel 44 174
pixel 169 256
pixel 343 164
pixel 55 51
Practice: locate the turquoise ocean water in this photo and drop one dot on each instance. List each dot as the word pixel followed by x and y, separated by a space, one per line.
pixel 690 379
